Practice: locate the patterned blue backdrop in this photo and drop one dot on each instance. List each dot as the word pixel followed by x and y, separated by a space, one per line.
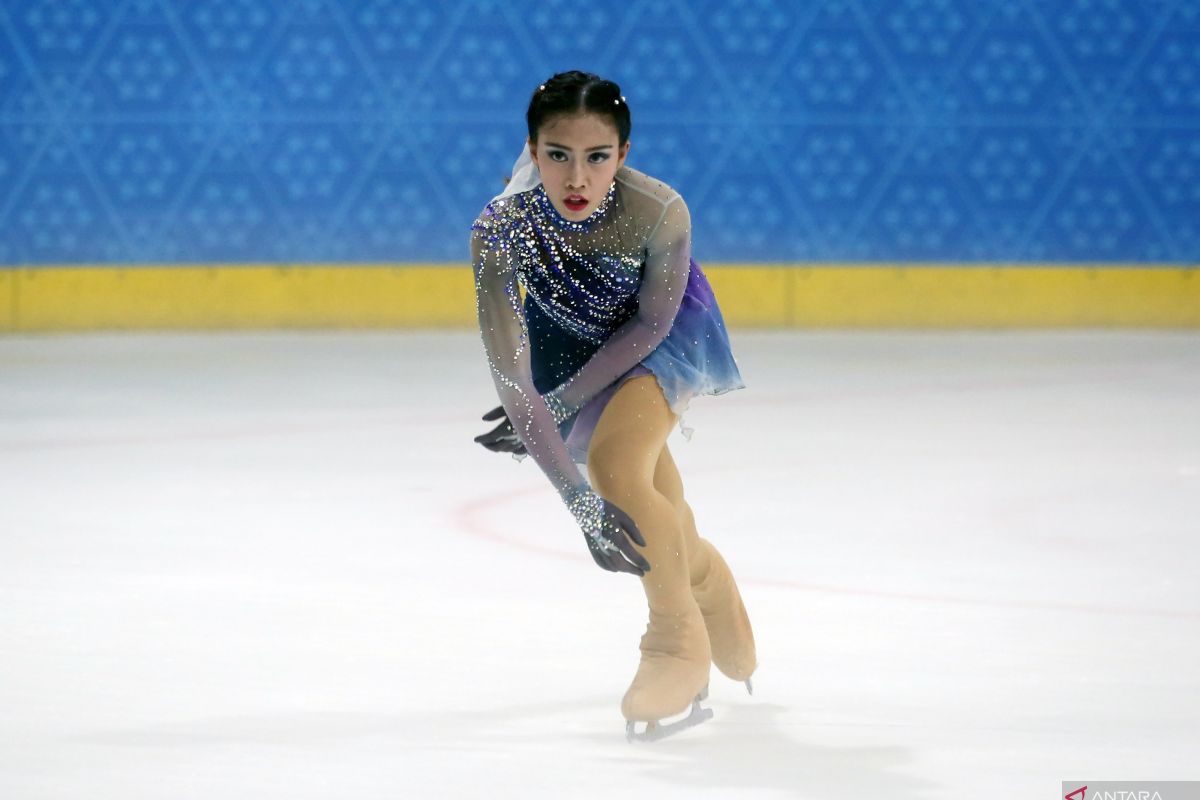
pixel 374 130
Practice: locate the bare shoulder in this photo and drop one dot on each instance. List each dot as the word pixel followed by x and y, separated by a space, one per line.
pixel 646 185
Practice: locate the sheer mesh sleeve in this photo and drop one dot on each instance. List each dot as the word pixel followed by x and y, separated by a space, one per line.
pixel 506 341
pixel 664 279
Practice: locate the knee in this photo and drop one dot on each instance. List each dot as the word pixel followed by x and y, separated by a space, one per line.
pixel 686 517
pixel 617 472
pixel 673 491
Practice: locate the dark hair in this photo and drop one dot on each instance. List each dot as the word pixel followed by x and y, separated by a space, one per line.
pixel 575 91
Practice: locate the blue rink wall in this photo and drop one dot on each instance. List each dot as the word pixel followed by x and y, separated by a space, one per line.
pixel 221 163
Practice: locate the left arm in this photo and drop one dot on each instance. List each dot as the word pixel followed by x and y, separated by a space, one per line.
pixel 669 251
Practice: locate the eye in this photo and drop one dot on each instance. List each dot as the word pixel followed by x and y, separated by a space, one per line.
pixel 598 157
pixel 554 155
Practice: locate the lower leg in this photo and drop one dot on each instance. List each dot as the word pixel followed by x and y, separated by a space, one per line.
pixel 667 584
pixel 668 482
pixel 712 584
pixel 730 634
pixel 675 647
pixel 624 449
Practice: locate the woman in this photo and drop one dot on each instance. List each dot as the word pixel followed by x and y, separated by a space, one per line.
pixel 618 331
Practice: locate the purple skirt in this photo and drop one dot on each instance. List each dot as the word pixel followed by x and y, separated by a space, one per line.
pixel 694 359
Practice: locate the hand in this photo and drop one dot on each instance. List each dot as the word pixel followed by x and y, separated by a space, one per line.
pixel 608 530
pixel 502 438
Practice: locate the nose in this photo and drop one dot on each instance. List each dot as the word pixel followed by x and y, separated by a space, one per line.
pixel 575 180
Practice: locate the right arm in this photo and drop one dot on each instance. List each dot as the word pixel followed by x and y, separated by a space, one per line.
pixel 506 342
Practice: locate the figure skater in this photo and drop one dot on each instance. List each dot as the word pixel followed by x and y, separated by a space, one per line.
pixel 619 329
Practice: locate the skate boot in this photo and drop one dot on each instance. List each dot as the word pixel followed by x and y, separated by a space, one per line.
pixel 672 675
pixel 730 636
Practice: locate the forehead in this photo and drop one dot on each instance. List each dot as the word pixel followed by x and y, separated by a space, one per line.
pixel 584 128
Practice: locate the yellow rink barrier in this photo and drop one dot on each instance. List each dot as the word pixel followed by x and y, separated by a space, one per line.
pixel 182 297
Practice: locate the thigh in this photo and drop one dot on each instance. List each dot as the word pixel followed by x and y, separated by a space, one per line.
pixel 630 436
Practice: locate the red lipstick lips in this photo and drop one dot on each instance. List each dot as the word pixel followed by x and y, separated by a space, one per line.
pixel 575 202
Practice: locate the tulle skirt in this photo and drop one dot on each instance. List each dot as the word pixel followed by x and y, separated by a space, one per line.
pixel 694 359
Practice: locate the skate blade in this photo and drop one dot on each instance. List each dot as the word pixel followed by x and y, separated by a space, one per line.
pixel 654 731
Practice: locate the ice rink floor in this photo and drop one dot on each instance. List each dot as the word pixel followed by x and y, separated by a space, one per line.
pixel 275 565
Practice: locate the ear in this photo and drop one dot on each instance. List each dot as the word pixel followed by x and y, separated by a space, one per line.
pixel 622 153
pixel 533 153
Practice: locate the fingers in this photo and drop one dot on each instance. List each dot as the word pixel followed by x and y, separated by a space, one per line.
pixel 493 443
pixel 635 534
pixel 632 569
pixel 494 433
pixel 492 437
pixel 504 446
pixel 618 564
pixel 625 558
pixel 623 530
pixel 636 558
pixel 613 562
pixel 501 439
pixel 628 524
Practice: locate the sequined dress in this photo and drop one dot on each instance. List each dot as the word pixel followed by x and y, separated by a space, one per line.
pixel 607 298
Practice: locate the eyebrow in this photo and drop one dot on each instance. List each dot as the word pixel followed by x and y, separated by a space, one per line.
pixel 564 147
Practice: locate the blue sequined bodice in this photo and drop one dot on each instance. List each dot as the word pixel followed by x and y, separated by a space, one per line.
pixel 580 274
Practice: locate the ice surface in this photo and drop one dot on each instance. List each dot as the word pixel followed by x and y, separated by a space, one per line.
pixel 244 566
